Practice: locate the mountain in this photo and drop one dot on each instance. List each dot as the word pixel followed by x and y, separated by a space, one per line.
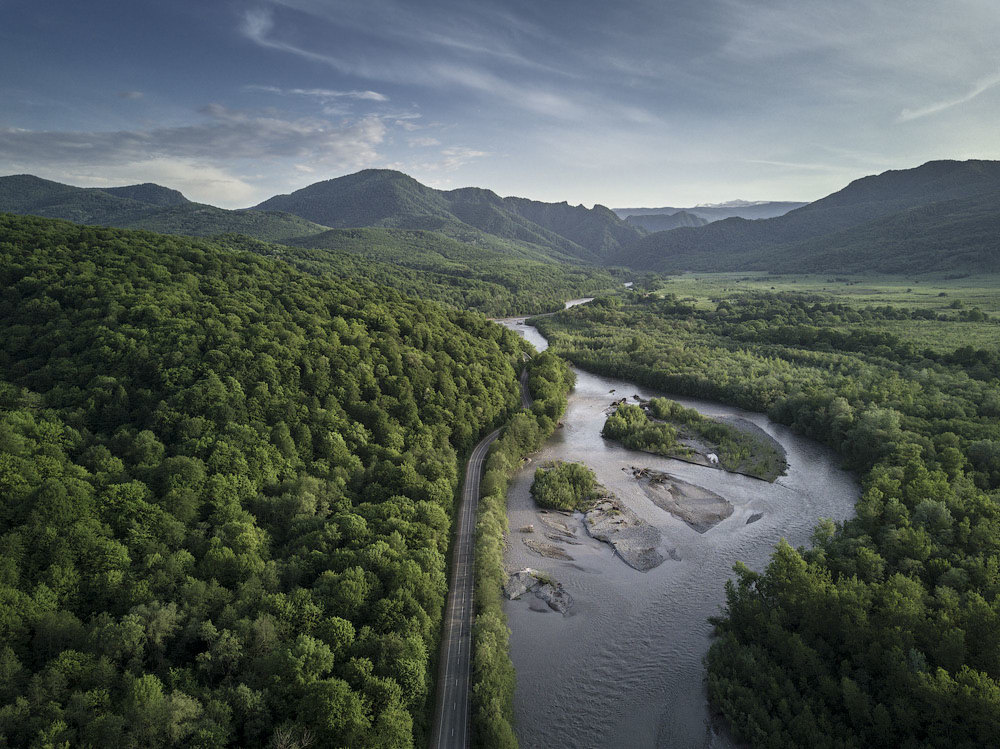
pixel 939 216
pixel 665 221
pixel 718 211
pixel 146 206
pixel 468 267
pixel 149 193
pixel 383 197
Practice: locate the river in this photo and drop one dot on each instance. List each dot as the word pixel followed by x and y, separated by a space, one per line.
pixel 625 667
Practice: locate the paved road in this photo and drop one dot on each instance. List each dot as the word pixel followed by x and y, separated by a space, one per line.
pixel 451 716
pixel 452 719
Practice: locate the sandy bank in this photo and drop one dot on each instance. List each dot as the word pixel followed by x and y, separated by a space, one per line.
pixel 635 540
pixel 700 508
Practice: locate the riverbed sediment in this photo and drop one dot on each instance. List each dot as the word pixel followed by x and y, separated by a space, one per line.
pixel 626 668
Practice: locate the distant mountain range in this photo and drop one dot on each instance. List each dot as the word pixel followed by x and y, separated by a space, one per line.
pixel 145 206
pixel 665 221
pixel 942 216
pixel 718 211
pixel 382 197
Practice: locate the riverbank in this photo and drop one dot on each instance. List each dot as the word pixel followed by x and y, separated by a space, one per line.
pixel 627 664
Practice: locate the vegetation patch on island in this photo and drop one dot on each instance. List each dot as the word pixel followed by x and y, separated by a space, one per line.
pixel 565 486
pixel 664 427
pixel 573 486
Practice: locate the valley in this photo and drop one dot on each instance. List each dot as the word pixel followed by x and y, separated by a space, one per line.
pixel 245 437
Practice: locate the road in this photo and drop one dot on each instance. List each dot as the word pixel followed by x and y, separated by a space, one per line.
pixel 452 714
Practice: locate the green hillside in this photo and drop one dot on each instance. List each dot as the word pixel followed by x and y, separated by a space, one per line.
pixel 936 217
pixel 227 487
pixel 432 266
pixel 652 222
pixel 382 197
pixel 145 206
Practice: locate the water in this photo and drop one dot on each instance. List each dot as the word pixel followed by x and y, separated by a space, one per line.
pixel 625 668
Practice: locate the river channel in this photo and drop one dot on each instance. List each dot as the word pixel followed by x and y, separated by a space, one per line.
pixel 625 667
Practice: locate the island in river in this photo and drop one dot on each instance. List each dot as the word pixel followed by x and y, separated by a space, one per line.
pixel 665 427
pixel 625 667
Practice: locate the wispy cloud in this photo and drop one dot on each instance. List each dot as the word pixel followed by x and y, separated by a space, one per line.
pixel 799 165
pixel 458 156
pixel 224 141
pixel 323 94
pixel 424 142
pixel 438 72
pixel 979 87
pixel 130 94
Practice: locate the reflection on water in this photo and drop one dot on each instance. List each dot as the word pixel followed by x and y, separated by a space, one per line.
pixel 625 669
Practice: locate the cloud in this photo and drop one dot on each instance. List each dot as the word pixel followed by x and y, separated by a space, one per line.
pixel 979 87
pixel 198 181
pixel 457 156
pixel 203 156
pixel 322 94
pixel 130 94
pixel 424 142
pixel 258 26
pixel 226 135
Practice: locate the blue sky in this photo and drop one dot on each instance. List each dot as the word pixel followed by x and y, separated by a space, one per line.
pixel 626 104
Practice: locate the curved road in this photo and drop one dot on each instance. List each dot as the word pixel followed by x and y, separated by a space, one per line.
pixel 452 719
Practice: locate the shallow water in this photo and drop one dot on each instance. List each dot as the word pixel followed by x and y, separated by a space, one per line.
pixel 625 668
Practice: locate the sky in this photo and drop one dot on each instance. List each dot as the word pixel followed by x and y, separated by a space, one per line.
pixel 629 103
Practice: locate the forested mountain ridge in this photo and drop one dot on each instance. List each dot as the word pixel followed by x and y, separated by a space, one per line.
pixel 877 217
pixel 227 486
pixel 471 269
pixel 653 222
pixel 717 212
pixel 383 197
pixel 430 265
pixel 146 206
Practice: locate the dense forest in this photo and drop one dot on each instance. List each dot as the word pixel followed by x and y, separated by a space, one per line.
pixel 227 491
pixel 887 631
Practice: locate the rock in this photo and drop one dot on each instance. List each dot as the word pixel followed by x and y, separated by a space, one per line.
pixel 755 517
pixel 549 551
pixel 555 595
pixel 520 583
pixel 528 529
pixel 557 525
pixel 562 539
pixel 634 539
pixel 546 589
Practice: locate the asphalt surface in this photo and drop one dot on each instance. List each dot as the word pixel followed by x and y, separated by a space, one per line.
pixel 452 714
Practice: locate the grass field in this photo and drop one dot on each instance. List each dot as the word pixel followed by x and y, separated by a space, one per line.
pixel 951 298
